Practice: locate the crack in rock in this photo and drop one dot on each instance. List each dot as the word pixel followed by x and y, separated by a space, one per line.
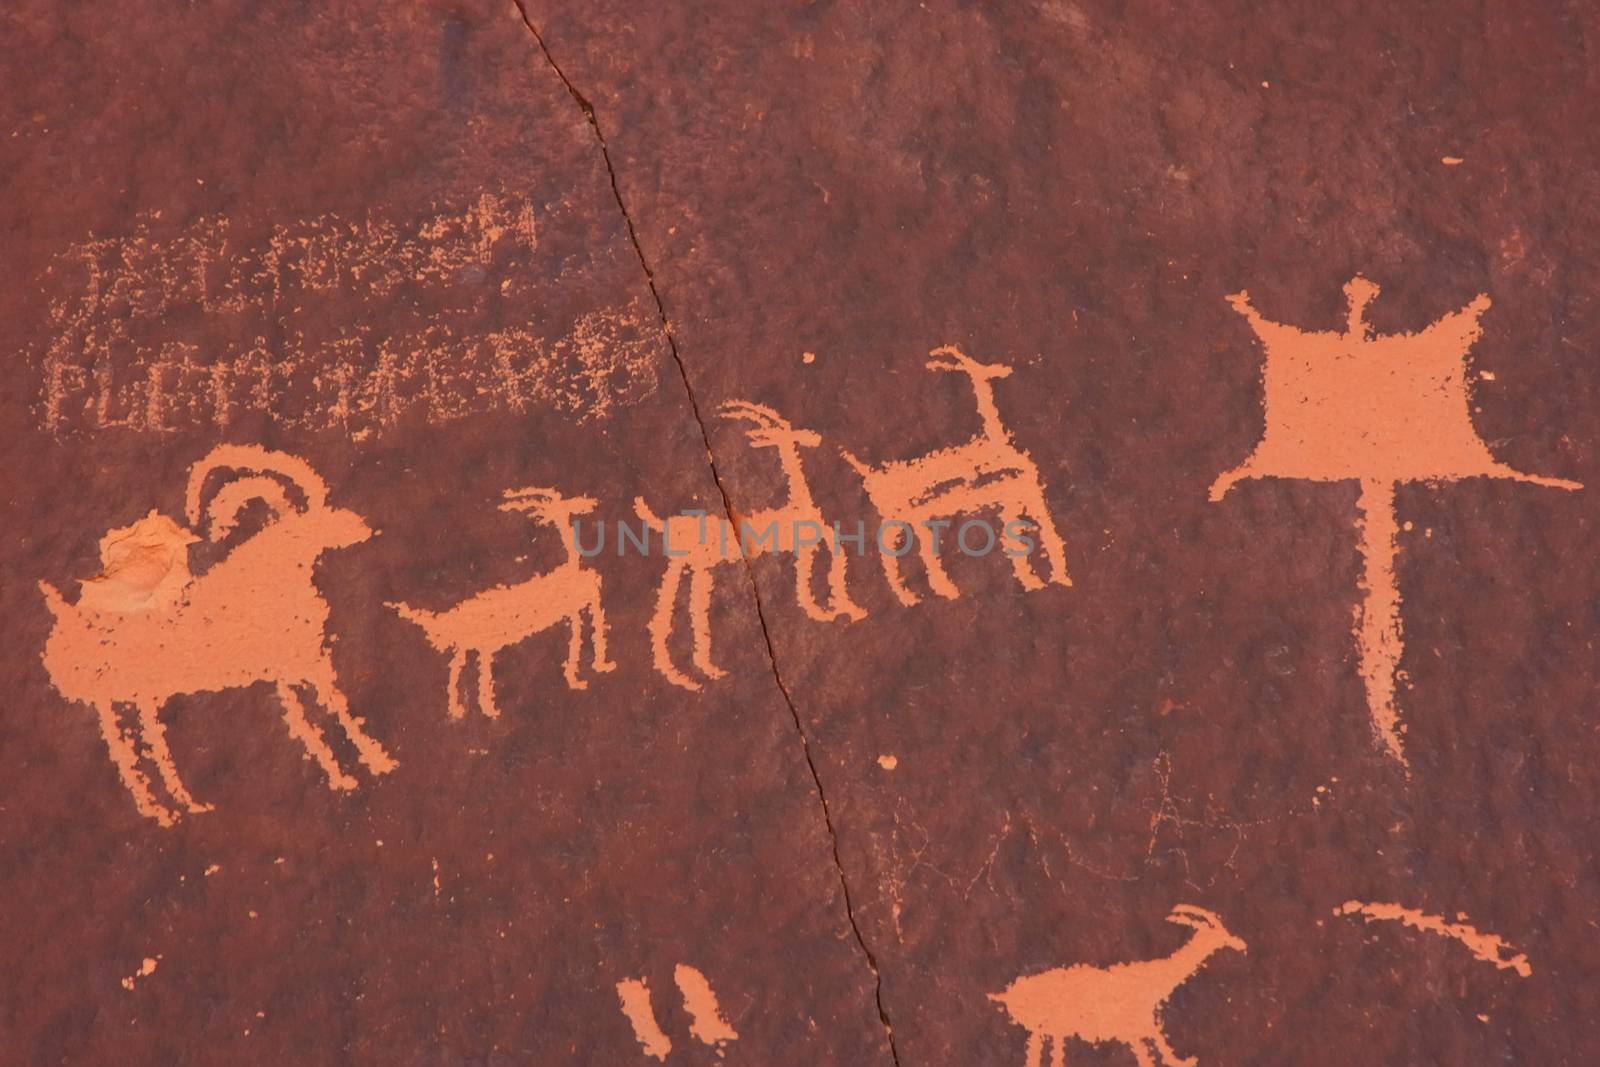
pixel 727 505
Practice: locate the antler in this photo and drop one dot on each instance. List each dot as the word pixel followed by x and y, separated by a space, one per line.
pixel 546 503
pixel 759 414
pixel 949 357
pixel 1193 915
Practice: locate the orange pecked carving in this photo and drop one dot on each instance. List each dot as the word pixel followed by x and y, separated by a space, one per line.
pixel 1119 1003
pixel 1381 410
pixel 696 544
pixel 145 630
pixel 497 618
pixel 988 472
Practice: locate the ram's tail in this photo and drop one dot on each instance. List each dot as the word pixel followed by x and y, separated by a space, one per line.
pixel 54 600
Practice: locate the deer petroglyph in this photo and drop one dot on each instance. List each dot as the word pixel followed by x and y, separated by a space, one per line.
pixel 989 472
pixel 497 618
pixel 696 544
pixel 145 630
pixel 1119 1003
pixel 1352 405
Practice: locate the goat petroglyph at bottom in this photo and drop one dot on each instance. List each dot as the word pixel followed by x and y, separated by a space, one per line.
pixel 1120 1003
pixel 706 1021
pixel 145 630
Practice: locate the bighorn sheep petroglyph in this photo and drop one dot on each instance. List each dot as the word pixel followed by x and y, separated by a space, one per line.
pixel 697 544
pixel 498 618
pixel 144 630
pixel 1117 1003
pixel 988 472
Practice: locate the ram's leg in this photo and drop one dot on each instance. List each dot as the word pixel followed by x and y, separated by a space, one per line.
pixel 300 728
pixel 126 760
pixel 938 578
pixel 372 755
pixel 1058 1051
pixel 486 701
pixel 1021 563
pixel 597 619
pixel 1035 1049
pixel 891 562
pixel 839 601
pixel 154 735
pixel 1055 550
pixel 700 620
pixel 804 595
pixel 454 705
pixel 1142 1053
pixel 569 670
pixel 661 628
pixel 1169 1057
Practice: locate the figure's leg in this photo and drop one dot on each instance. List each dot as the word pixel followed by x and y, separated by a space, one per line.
pixel 154 735
pixel 597 619
pixel 839 586
pixel 1035 1049
pixel 1169 1057
pixel 1141 1052
pixel 937 576
pixel 372 755
pixel 1055 549
pixel 1021 565
pixel 1058 1051
pixel 294 713
pixel 452 688
pixel 804 595
pixel 661 628
pixel 486 702
pixel 891 565
pixel 574 651
pixel 700 619
pixel 126 760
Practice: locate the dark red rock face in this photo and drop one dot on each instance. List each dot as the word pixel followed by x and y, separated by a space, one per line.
pixel 410 258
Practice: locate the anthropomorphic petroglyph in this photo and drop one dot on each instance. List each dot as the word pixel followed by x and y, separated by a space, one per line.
pixel 495 619
pixel 144 630
pixel 989 472
pixel 1489 948
pixel 1382 410
pixel 1120 1003
pixel 706 1022
pixel 697 544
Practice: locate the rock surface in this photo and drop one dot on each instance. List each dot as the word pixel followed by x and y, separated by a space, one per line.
pixel 445 251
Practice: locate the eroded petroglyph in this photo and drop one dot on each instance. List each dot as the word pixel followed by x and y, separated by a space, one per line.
pixel 491 621
pixel 1487 947
pixel 1121 1003
pixel 989 472
pixel 145 630
pixel 1353 405
pixel 706 1021
pixel 696 544
pixel 195 326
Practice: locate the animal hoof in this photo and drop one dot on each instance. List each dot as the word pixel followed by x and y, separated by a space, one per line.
pixel 605 667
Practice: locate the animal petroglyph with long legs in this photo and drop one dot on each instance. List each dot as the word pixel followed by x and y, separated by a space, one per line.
pixel 696 544
pixel 1380 410
pixel 989 472
pixel 495 619
pixel 145 630
pixel 1120 1003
